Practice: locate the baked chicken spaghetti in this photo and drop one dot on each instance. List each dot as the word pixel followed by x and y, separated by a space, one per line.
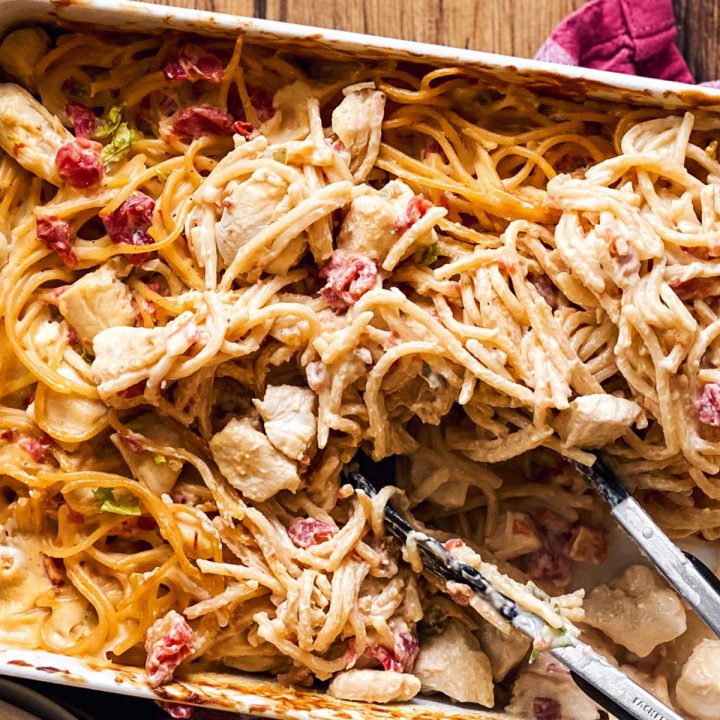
pixel 229 268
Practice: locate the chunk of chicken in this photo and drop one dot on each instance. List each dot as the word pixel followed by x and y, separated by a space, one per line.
pixel 289 418
pixel 29 133
pixel 357 121
pixel 595 420
pixel 369 227
pixel 249 208
pixel 249 461
pixel 95 302
pixel 21 51
pixel 698 689
pixel 69 418
pixel 125 356
pixel 376 686
pixel 154 470
pixel 636 610
pixel 290 120
pixel 504 651
pixel 515 535
pixel 452 663
pixel 546 690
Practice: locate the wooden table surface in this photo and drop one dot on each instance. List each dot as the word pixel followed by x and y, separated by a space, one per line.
pixel 512 27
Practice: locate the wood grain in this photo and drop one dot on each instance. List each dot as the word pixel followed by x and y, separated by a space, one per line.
pixel 511 27
pixel 699 36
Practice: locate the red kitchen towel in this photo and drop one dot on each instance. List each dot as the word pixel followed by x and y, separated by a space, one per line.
pixel 636 37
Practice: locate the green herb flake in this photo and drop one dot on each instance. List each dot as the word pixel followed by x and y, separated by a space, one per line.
pixel 108 503
pixel 431 254
pixel 119 146
pixel 111 122
pixel 159 459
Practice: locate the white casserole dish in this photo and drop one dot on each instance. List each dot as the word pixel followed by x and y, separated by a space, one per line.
pixel 252 694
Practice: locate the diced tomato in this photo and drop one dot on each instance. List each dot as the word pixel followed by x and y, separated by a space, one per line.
pixel 73 337
pixel 545 708
pixel 79 163
pixel 37 447
pixel 83 119
pixel 130 222
pixel 416 208
pixel 133 391
pixel 201 120
pixel 56 235
pixel 169 641
pixel 708 405
pixel 262 101
pixel 305 532
pixel 348 277
pixel 194 63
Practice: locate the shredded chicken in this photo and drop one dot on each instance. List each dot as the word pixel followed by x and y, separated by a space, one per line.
pixel 698 689
pixel 29 133
pixel 97 301
pixel 289 418
pixel 593 421
pixel 379 686
pixel 452 663
pixel 250 462
pixel 637 610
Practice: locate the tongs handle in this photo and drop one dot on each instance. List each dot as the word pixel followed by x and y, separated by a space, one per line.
pixel 690 577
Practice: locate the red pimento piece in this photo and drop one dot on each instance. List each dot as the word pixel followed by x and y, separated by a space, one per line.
pixel 133 391
pixel 453 543
pixel 7 435
pixel 348 277
pixel 194 63
pixel 305 532
pixel 74 516
pixel 708 405
pixel 56 235
pixel 130 222
pixel 177 710
pixel 169 641
pixel 544 708
pixel 241 127
pixel 406 650
pixel 79 163
pixel 551 563
pixel 53 568
pixel 83 119
pixel 400 659
pixel 262 101
pixel 37 447
pixel 416 208
pixel 201 120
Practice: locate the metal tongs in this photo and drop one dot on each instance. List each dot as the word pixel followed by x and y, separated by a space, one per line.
pixel 608 686
pixel 694 582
